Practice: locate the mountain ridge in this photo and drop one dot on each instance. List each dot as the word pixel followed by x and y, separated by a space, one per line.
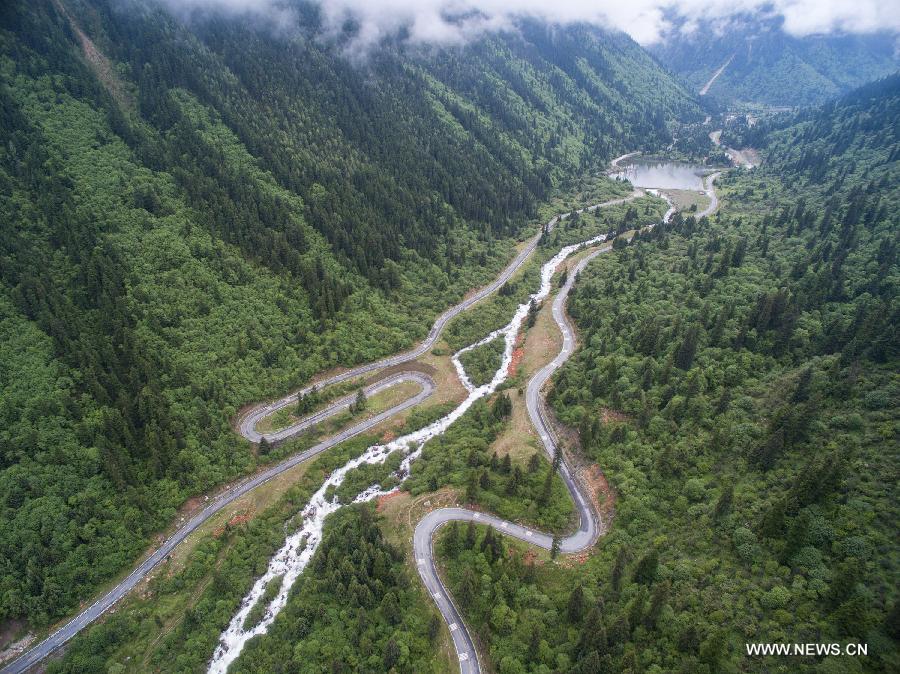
pixel 765 65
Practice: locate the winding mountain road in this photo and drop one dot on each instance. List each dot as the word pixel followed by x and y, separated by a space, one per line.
pixel 247 425
pixel 83 619
pixel 250 419
pixel 589 520
pixel 710 191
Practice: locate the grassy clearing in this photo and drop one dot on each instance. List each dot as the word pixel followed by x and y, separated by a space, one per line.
pixel 446 381
pixel 688 201
pixel 585 191
pixel 378 403
pixel 288 416
pixel 278 420
pixel 375 405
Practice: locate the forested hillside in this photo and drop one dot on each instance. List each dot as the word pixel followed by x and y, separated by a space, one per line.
pixel 198 215
pixel 738 385
pixel 766 65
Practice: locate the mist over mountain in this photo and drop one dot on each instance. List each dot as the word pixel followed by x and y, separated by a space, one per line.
pixel 761 62
pixel 647 21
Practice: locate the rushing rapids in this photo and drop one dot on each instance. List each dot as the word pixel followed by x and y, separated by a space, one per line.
pixel 290 561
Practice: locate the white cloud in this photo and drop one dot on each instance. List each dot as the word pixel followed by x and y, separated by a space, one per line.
pixel 645 20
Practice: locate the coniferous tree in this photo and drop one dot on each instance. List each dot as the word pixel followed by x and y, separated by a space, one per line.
pixel 555 546
pixel 575 606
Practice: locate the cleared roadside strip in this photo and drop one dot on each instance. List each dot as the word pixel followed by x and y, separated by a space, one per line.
pixel 247 426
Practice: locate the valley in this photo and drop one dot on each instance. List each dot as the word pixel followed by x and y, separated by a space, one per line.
pixel 250 419
pixel 426 338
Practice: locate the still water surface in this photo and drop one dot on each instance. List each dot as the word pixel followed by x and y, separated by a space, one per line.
pixel 663 174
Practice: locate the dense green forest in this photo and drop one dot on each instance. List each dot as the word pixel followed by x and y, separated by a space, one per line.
pixel 747 367
pixel 768 66
pixel 200 215
pixel 175 624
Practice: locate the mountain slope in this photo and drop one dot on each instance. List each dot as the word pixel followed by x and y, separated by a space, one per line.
pixel 763 64
pixel 197 215
pixel 738 386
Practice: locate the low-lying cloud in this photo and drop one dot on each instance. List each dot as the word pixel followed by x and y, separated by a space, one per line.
pixel 647 21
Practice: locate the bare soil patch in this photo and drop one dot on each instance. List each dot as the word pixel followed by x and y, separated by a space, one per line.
pixel 608 415
pixel 382 500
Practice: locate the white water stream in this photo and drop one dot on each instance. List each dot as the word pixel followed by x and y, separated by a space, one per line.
pixel 290 561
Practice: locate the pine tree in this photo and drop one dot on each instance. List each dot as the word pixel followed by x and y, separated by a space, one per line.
pixel 533 309
pixel 359 403
pixel 472 487
pixel 434 627
pixel 768 451
pixel 575 606
pixel 618 572
pixel 470 535
pixel 645 571
pixel 684 357
pixel 391 654
pixel 451 541
pixel 547 491
pixel 804 383
pixel 723 505
pixel 555 546
pixel 502 406
pixel 591 663
pixel 514 482
pixel 657 601
pixel 467 588
pixel 534 644
pixel 593 635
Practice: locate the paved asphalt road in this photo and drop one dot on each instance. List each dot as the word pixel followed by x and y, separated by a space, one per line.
pixel 251 418
pixel 338 405
pixel 584 537
pixel 710 190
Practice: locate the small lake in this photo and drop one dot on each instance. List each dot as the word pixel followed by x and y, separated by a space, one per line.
pixel 663 174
